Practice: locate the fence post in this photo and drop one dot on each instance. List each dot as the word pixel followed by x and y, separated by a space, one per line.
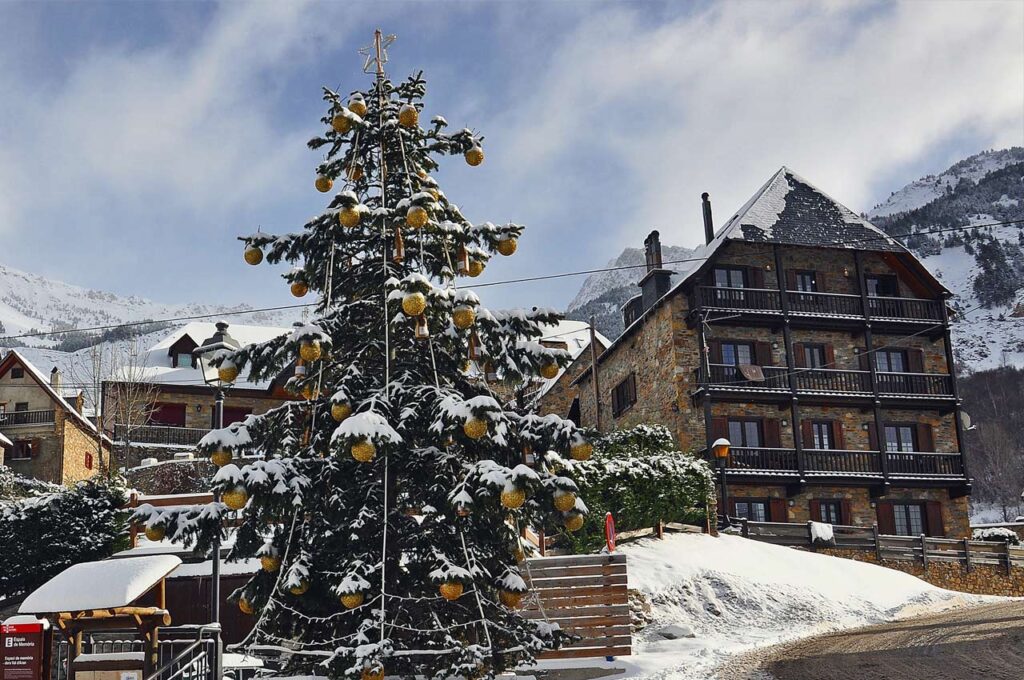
pixel 924 552
pixel 878 544
pixel 1009 564
pixel 967 554
pixel 659 529
pixel 745 528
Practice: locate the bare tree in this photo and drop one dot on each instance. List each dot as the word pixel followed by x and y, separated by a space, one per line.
pixel 1000 467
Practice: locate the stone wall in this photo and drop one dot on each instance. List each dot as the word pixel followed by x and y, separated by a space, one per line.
pixel 559 397
pixel 79 446
pixel 982 579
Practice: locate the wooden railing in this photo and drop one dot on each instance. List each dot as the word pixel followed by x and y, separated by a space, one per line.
pixel 827 304
pixel 766 460
pixel 586 595
pixel 818 380
pixel 921 549
pixel 744 459
pixel 921 464
pixel 730 375
pixel 158 434
pixel 817 304
pixel 930 384
pixel 747 299
pixel 841 460
pixel 905 308
pixel 15 418
pixel 832 380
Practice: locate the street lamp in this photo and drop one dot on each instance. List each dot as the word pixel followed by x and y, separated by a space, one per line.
pixel 720 450
pixel 213 348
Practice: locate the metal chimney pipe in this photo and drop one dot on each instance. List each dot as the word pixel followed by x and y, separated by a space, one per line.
pixel 709 225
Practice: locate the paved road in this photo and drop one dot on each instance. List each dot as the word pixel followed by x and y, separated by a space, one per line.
pixel 977 643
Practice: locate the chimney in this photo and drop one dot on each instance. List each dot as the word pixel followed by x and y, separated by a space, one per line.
pixel 652 250
pixel 709 225
pixel 55 378
pixel 653 285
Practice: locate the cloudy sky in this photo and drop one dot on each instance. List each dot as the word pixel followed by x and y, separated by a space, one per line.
pixel 137 140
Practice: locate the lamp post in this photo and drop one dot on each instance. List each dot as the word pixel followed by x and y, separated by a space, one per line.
pixel 213 348
pixel 720 450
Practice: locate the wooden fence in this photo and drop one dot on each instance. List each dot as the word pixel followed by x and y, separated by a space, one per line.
pixel 586 595
pixel 921 549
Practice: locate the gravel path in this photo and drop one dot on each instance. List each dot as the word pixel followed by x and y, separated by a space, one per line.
pixel 976 643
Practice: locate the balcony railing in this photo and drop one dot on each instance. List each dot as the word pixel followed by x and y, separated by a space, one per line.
pixel 929 384
pixel 158 434
pixel 16 418
pixel 801 303
pixel 819 462
pixel 832 380
pixel 829 380
pixel 730 375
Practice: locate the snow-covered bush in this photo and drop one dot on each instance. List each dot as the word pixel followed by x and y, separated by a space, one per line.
pixel 641 478
pixel 46 528
pixel 996 534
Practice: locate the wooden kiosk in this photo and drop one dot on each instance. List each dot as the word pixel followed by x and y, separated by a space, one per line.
pixel 112 595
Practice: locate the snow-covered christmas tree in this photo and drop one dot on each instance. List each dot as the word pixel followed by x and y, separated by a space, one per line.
pixel 387 500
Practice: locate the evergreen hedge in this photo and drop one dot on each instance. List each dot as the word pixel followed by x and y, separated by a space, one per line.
pixel 640 477
pixel 45 528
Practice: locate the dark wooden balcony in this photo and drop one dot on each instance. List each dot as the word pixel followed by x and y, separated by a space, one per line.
pixel 827 461
pixel 918 464
pixel 905 309
pixel 774 462
pixel 916 384
pixel 20 418
pixel 163 435
pixel 730 376
pixel 755 460
pixel 824 304
pixel 740 299
pixel 830 381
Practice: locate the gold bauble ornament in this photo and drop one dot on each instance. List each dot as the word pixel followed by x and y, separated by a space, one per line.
pixel 581 451
pixel 475 428
pixel 364 450
pixel 299 288
pixel 311 392
pixel 507 246
pixel 227 373
pixel 349 216
pixel 434 193
pixel 414 304
pixel 375 673
pixel 155 533
pixel 352 600
pixel 270 563
pixel 309 351
pixel 463 317
pixel 513 498
pixel 417 217
pixel 323 183
pixel 408 116
pixel 574 522
pixel 236 498
pixel 476 268
pixel 341 123
pixel 452 590
pixel 300 589
pixel 357 106
pixel 510 599
pixel 475 156
pixel 549 369
pixel 340 411
pixel 253 255
pixel 355 172
pixel 245 606
pixel 221 457
pixel 564 502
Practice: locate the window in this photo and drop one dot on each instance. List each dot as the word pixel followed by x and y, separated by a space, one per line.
pixel 821 431
pixel 730 277
pixel 891 361
pixel 22 449
pixel 17 372
pixel 746 433
pixel 831 512
pixel 900 438
pixel 737 353
pixel 167 414
pixel 909 519
pixel 882 285
pixel 755 511
pixel 88 461
pixel 624 395
pixel 184 360
pixel 814 356
pixel 21 406
pixel 806 281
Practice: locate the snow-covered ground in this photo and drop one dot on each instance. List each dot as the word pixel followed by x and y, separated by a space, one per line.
pixel 736 594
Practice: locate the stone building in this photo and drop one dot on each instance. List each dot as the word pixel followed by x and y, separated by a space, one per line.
pixel 43 432
pixel 558 394
pixel 160 406
pixel 818 346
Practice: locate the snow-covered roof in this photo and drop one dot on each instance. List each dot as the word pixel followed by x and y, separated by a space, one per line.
pixel 99 585
pixel 56 395
pixel 5 442
pixel 576 335
pixel 157 365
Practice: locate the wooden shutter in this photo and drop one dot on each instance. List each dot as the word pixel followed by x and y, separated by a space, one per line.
pixel 772 433
pixel 37 447
pixel 816 511
pixel 830 355
pixel 872 437
pixel 933 514
pixel 790 279
pixel 915 361
pixel 839 440
pixel 719 427
pixel 715 351
pixel 777 510
pixel 819 282
pixel 762 353
pixel 755 277
pixel 862 359
pixel 732 506
pixel 844 512
pixel 925 439
pixel 799 355
pixel 807 434
pixel 886 518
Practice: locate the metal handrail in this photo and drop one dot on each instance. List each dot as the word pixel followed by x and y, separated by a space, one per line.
pixel 178 658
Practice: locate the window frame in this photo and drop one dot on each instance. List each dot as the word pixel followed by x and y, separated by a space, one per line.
pixel 17 372
pixel 914 443
pixel 888 354
pixel 802 275
pixel 811 348
pixel 906 529
pixel 744 423
pixel 21 407
pixel 729 271
pixel 881 281
pixel 736 345
pixel 826 427
pixel 825 507
pixel 623 395
pixel 764 502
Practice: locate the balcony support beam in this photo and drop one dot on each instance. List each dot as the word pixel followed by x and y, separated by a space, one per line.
pixel 957 417
pixel 869 347
pixel 787 335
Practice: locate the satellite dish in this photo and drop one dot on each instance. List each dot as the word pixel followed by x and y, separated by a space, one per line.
pixel 965 420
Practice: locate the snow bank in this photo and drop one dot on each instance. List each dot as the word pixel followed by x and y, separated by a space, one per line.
pixel 736 594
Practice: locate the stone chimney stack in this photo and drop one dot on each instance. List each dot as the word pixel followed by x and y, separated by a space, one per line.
pixel 55 378
pixel 709 225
